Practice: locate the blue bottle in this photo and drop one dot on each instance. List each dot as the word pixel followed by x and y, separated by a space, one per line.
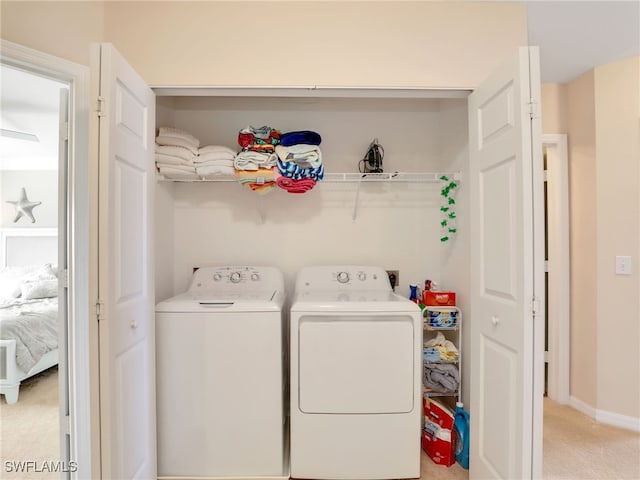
pixel 461 429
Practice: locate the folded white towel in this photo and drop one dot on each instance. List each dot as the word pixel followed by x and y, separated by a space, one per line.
pixel 176 132
pixel 250 160
pixel 176 141
pixel 227 163
pixel 171 160
pixel 216 171
pixel 216 149
pixel 177 174
pixel 214 156
pixel 176 151
pixel 182 168
pixel 305 156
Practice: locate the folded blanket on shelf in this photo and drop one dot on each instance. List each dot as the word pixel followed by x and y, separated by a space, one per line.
pixel 176 151
pixel 441 377
pixel 181 134
pixel 305 156
pixel 261 176
pixel 248 160
pixel 265 138
pixel 176 142
pixel 292 170
pixel 294 186
pixel 307 137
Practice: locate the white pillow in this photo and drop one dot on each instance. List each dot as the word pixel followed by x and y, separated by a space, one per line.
pixel 39 289
pixel 9 288
pixel 43 272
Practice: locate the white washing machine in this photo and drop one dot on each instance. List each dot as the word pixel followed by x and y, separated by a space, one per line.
pixel 220 376
pixel 355 376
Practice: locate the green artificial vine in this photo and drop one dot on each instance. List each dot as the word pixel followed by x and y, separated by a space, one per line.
pixel 448 224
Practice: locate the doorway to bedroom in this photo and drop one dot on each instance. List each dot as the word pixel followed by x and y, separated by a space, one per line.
pixel 33 308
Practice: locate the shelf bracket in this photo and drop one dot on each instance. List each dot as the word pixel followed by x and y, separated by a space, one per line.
pixel 354 215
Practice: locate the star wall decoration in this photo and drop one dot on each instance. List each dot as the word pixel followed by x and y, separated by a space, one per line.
pixel 24 207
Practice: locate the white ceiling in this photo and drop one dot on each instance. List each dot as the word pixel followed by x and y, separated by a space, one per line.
pixel 29 104
pixel 576 36
pixel 573 36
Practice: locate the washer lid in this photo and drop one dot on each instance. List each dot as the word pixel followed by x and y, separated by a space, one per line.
pixel 258 301
pixel 352 301
pixel 225 298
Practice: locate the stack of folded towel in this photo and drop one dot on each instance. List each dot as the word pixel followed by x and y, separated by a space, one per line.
pixel 175 153
pixel 299 161
pixel 255 164
pixel 215 161
pixel 440 349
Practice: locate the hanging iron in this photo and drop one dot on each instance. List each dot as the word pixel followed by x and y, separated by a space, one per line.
pixel 372 161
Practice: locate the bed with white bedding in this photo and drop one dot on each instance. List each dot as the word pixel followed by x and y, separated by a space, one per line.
pixel 28 324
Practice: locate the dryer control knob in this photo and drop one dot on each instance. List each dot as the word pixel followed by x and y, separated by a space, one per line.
pixel 235 277
pixel 343 277
pixel 255 277
pixel 217 277
pixel 362 276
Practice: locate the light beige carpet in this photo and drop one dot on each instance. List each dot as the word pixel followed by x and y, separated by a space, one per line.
pixel 578 447
pixel 29 429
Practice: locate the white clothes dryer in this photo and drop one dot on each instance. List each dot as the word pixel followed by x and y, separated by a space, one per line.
pixel 220 376
pixel 355 376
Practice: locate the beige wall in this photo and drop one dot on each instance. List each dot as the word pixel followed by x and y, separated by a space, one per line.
pixel 554 108
pixel 583 201
pixel 600 111
pixel 435 44
pixel 63 29
pixel 617 88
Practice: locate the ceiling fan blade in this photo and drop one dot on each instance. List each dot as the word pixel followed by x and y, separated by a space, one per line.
pixel 29 137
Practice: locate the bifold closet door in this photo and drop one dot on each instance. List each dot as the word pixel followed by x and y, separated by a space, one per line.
pixel 125 303
pixel 507 268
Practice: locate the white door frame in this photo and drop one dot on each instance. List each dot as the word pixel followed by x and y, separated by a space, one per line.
pixel 559 293
pixel 77 230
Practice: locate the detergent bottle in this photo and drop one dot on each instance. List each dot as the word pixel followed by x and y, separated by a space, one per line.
pixel 461 428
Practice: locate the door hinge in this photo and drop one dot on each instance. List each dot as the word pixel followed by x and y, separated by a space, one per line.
pixel 67 425
pixel 534 108
pixel 64 131
pixel 99 107
pixel 100 310
pixel 535 306
pixel 63 278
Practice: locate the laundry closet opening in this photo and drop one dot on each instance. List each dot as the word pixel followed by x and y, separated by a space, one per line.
pixel 397 225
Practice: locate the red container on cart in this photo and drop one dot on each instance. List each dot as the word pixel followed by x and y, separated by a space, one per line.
pixel 439 299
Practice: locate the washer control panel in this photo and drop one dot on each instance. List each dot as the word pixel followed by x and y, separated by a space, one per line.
pixel 231 278
pixel 339 277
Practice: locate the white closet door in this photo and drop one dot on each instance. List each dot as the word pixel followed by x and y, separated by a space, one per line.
pixel 125 256
pixel 506 270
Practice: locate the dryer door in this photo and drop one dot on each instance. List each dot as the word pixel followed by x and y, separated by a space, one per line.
pixel 356 364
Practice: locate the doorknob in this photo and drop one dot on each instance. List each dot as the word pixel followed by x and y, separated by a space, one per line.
pixel 495 320
pixel 133 324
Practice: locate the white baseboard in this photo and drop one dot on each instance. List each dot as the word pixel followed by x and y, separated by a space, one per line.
pixel 603 416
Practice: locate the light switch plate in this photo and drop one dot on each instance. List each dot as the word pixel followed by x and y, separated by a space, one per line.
pixel 623 265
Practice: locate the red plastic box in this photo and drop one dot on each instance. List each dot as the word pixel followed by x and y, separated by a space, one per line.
pixel 439 299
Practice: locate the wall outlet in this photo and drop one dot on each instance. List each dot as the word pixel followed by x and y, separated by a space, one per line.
pixel 394 277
